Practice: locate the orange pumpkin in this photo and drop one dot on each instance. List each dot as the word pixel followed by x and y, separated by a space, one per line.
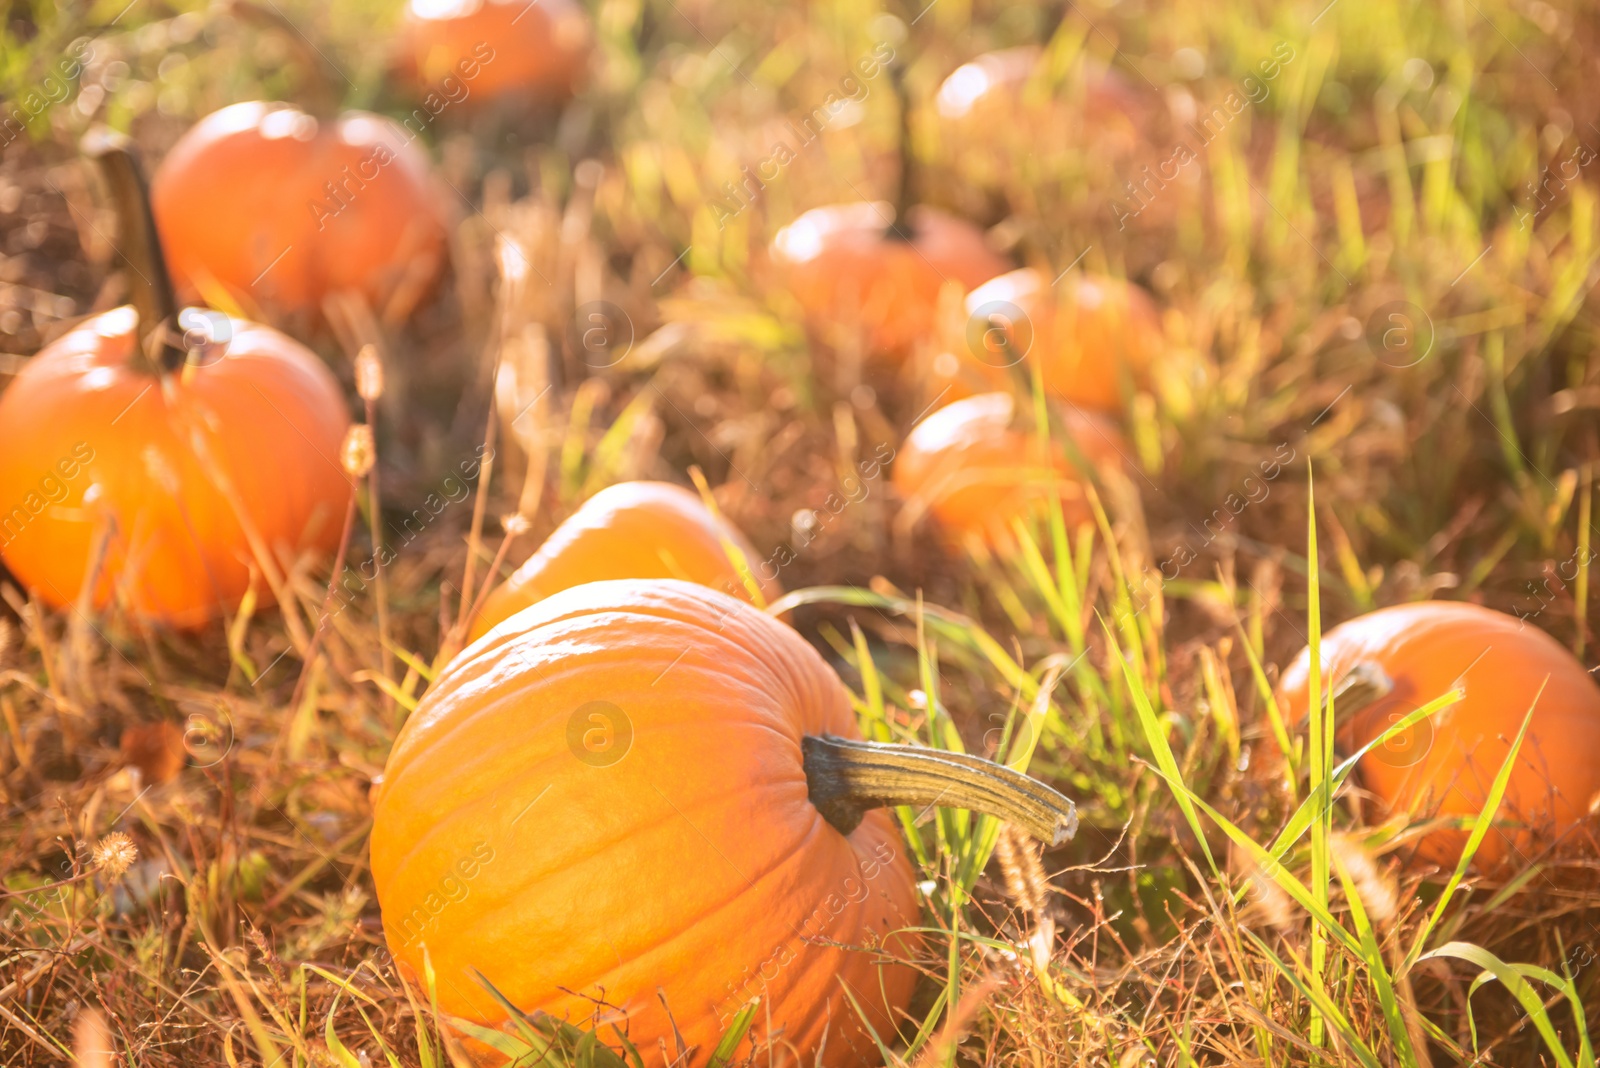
pixel 1096 338
pixel 988 93
pixel 849 271
pixel 190 474
pixel 630 530
pixel 1445 765
pixel 642 792
pixel 269 207
pixel 497 49
pixel 975 472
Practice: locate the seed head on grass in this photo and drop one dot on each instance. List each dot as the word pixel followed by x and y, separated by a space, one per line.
pixel 114 854
pixel 359 451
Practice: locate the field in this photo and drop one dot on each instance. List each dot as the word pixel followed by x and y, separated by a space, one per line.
pixel 1370 232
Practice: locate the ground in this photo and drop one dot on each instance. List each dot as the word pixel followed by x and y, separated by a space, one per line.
pixel 1371 233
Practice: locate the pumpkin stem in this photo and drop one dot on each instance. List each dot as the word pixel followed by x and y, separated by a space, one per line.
pixel 900 229
pixel 319 87
pixel 1365 684
pixel 845 778
pixel 139 246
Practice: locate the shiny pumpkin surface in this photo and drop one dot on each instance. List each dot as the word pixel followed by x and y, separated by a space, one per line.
pixel 1445 766
pixel 497 48
pixel 605 795
pixel 1096 338
pixel 277 209
pixel 848 274
pixel 975 472
pixel 630 530
pixel 90 443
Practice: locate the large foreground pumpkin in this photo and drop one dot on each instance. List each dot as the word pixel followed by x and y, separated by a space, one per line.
pixel 1444 766
pixel 643 792
pixel 187 473
pixel 630 530
pixel 970 467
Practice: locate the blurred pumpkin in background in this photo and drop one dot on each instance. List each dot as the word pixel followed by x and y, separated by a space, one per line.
pixel 498 50
pixel 631 530
pixel 265 206
pixel 970 468
pixel 1096 338
pixel 1014 120
pixel 160 477
pixel 649 792
pixel 1444 766
pixel 851 271
pixel 993 89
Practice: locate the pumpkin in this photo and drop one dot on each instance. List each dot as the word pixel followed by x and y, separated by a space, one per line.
pixel 267 206
pixel 649 793
pixel 989 92
pixel 630 530
pixel 1096 338
pixel 1015 125
pixel 1444 766
pixel 189 472
pixel 848 269
pixel 975 472
pixel 497 49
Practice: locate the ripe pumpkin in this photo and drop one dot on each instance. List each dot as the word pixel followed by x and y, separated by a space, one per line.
pixel 1444 766
pixel 975 472
pixel 276 209
pixel 988 93
pixel 648 790
pixel 498 49
pixel 848 270
pixel 1096 338
pixel 181 467
pixel 630 530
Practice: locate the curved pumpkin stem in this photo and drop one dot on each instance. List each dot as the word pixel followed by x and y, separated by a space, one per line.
pixel 139 246
pixel 900 229
pixel 320 88
pixel 845 778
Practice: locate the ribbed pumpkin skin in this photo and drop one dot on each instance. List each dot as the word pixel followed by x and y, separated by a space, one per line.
pixel 977 472
pixel 844 271
pixel 629 530
pixel 234 202
pixel 695 864
pixel 1424 648
pixel 270 416
pixel 1093 336
pixel 513 48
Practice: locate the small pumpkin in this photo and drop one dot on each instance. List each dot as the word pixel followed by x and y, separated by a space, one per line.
pixel 850 268
pixel 496 49
pixel 650 794
pixel 1096 338
pixel 970 467
pixel 630 530
pixel 1410 654
pixel 265 205
pixel 989 91
pixel 191 472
